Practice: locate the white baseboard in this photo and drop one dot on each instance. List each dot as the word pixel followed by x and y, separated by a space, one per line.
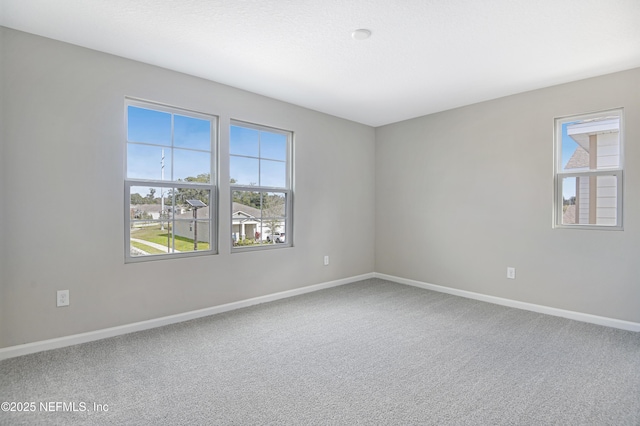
pixel 578 316
pixel 44 345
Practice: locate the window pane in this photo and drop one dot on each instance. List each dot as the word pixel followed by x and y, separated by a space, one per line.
pixel 245 218
pixel 146 162
pixel 183 197
pixel 244 171
pixel 274 232
pixel 149 238
pixel 273 174
pixel 607 200
pixel 243 141
pixel 191 164
pixel 149 126
pixel 592 144
pixel 186 230
pixel 192 133
pixel 246 233
pixel 247 202
pixel 258 217
pixel 273 146
pixel 148 201
pixel 590 200
pixel 608 150
pixel 274 205
pixel 273 217
pixel 569 201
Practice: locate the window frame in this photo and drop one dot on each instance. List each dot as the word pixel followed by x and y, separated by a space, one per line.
pixel 559 174
pixel 212 186
pixel 288 191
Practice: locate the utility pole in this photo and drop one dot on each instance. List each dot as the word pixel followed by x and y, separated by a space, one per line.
pixel 195 205
pixel 162 193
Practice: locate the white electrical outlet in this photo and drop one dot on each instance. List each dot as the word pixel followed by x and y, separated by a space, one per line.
pixel 326 260
pixel 62 298
pixel 511 273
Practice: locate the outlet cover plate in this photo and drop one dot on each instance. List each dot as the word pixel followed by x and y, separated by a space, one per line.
pixel 62 298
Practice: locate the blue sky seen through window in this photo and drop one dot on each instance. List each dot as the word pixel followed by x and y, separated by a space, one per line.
pixel 192 133
pixel 244 141
pixel 185 143
pixel 148 126
pixel 258 157
pixel 568 145
pixel 568 148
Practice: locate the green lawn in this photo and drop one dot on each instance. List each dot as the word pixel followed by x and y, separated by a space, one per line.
pixel 155 235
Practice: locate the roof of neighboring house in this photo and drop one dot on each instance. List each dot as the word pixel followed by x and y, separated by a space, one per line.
pixel 203 213
pixel 251 211
pixel 579 159
pixel 149 208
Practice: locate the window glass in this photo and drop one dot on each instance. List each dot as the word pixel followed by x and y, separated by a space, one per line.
pixel 193 133
pixel 260 173
pixel 149 126
pixel 169 182
pixel 589 170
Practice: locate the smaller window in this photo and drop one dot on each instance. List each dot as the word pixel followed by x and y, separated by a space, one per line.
pixel 261 196
pixel 589 170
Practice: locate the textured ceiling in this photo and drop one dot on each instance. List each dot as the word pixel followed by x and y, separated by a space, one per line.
pixel 423 56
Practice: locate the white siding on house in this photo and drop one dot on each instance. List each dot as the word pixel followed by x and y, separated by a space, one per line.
pixel 608 150
pixel 607 203
pixel 583 200
pixel 606 200
pixel 185 229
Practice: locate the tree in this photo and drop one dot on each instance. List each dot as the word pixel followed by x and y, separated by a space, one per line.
pixel 246 198
pixel 184 194
pixel 151 199
pixel 273 211
pixel 137 199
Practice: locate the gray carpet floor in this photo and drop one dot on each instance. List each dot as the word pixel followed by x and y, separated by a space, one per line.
pixel 372 352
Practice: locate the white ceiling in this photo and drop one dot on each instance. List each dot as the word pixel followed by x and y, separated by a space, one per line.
pixel 423 56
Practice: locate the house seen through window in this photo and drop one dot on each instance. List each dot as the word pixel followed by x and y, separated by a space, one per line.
pixel 170 182
pixel 589 170
pixel 261 196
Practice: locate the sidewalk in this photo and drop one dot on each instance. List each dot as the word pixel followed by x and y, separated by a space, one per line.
pixel 154 245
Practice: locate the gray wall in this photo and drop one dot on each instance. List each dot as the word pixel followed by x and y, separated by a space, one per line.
pixel 462 194
pixel 63 143
pixel 459 196
pixel 2 181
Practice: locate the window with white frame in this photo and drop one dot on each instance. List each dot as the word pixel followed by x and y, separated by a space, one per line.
pixel 261 196
pixel 589 170
pixel 170 182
